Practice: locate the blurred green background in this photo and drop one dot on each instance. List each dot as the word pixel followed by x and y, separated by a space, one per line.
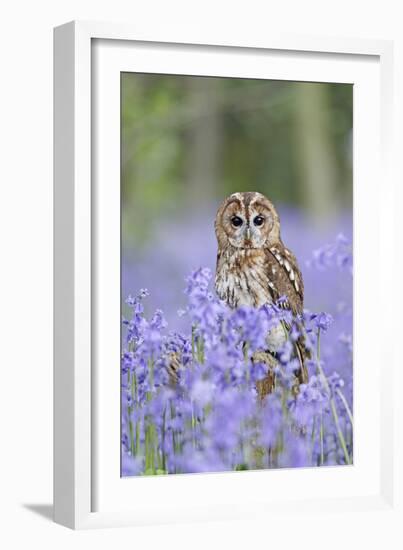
pixel 187 142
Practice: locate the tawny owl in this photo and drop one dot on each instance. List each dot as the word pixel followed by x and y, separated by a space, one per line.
pixel 253 265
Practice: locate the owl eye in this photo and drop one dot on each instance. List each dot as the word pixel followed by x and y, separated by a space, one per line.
pixel 258 220
pixel 236 221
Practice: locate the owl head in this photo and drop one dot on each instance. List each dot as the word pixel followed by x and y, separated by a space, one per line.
pixel 247 220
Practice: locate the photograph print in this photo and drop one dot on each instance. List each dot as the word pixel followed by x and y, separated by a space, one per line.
pixel 236 274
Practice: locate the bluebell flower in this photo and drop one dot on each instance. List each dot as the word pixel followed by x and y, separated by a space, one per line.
pixel 321 320
pixel 202 392
pixel 131 466
pixel 212 418
pixel 336 254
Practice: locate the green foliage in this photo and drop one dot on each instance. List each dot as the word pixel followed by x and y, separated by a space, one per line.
pixel 189 140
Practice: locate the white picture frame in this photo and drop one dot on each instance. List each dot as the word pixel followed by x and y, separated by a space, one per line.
pixel 88 491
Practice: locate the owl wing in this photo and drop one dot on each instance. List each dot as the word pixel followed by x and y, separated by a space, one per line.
pixel 285 277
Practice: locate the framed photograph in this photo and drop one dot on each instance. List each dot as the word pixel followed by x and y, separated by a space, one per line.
pixel 222 215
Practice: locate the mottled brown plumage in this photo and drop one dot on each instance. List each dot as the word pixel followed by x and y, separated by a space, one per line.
pixel 253 265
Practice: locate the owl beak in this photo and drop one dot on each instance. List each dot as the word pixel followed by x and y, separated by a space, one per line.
pixel 248 242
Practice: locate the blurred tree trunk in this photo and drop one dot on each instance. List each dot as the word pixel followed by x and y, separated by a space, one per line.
pixel 204 139
pixel 317 165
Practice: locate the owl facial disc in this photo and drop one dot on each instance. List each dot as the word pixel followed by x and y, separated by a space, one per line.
pixel 246 221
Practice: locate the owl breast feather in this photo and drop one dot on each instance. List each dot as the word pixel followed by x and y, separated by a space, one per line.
pixel 241 279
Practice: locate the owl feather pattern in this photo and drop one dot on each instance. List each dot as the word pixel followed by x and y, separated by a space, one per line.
pixel 254 267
